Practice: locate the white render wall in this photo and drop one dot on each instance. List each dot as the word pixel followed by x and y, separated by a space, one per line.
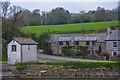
pixel 14 57
pixel 109 46
pixel 110 49
pixel 29 55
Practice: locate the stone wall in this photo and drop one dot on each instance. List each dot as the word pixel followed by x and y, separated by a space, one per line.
pixel 50 71
pixel 115 58
pixel 93 57
pixel 56 48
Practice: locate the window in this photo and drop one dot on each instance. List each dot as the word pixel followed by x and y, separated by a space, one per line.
pixel 93 43
pixel 114 53
pixel 96 52
pixel 67 42
pixel 28 47
pixel 63 51
pixel 77 43
pixel 60 43
pixel 114 44
pixel 87 43
pixel 88 52
pixel 13 48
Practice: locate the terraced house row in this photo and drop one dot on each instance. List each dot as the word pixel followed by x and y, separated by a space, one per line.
pixel 108 42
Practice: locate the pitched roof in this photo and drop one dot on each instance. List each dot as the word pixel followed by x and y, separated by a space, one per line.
pixel 100 37
pixel 114 35
pixel 64 38
pixel 85 38
pixel 22 40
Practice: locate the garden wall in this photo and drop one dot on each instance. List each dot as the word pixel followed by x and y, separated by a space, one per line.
pixel 92 57
pixel 50 71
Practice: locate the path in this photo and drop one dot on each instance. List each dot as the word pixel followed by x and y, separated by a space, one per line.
pixel 46 58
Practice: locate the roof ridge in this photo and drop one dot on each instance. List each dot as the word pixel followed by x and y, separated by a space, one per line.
pixel 21 38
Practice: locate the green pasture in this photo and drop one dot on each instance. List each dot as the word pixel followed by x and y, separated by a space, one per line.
pixel 70 28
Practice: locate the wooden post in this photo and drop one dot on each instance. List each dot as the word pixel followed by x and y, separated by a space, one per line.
pixel 41 26
pixel 48 36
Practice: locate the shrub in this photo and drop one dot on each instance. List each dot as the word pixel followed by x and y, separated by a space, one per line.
pixel 76 65
pixel 58 54
pixel 43 43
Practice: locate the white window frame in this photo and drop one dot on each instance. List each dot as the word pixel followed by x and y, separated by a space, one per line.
pixel 116 44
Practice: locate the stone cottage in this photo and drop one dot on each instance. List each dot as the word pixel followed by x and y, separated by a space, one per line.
pixel 22 50
pixel 108 42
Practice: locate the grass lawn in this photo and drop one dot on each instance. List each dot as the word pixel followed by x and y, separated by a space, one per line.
pixel 76 65
pixel 70 28
pixel 3 62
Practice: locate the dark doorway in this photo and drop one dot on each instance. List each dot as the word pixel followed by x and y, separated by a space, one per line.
pixel 107 57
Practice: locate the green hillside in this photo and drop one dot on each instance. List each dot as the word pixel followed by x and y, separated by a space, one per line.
pixel 91 27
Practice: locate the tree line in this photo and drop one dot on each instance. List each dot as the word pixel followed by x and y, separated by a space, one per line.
pixel 60 15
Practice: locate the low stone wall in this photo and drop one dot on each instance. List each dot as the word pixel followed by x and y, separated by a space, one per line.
pixel 115 58
pixel 92 57
pixel 48 71
pixel 96 57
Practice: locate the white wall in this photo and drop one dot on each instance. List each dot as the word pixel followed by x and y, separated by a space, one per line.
pixel 14 57
pixel 29 55
pixel 110 48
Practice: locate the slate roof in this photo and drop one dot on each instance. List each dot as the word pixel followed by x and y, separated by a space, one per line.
pixel 22 40
pixel 100 37
pixel 64 38
pixel 85 38
pixel 114 35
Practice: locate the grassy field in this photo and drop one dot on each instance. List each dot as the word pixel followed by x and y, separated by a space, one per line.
pixel 70 28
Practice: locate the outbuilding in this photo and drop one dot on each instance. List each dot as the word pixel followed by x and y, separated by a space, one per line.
pixel 22 50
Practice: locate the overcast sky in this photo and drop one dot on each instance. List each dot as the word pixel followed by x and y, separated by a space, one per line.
pixel 74 6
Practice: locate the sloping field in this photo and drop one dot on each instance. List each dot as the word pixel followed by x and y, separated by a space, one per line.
pixel 70 28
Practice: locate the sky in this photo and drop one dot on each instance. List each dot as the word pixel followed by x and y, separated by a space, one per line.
pixel 74 6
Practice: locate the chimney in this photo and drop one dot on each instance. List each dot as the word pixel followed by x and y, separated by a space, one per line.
pixel 108 30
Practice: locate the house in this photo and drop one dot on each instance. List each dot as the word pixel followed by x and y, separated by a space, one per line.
pixel 112 42
pixel 22 50
pixel 95 42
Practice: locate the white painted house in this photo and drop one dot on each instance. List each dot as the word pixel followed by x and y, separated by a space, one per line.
pixel 22 50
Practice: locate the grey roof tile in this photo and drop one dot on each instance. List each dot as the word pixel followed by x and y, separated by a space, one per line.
pixel 22 40
pixel 114 35
pixel 100 37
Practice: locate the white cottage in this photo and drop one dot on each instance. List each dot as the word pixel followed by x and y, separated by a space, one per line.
pixel 22 50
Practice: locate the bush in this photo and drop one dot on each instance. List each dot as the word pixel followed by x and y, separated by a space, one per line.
pixel 76 65
pixel 68 51
pixel 43 43
pixel 58 54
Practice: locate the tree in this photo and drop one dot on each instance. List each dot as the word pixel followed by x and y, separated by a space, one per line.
pixel 43 42
pixel 100 15
pixel 11 20
pixel 58 16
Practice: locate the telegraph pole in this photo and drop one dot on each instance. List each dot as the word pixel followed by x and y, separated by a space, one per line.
pixel 41 20
pixel 41 25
